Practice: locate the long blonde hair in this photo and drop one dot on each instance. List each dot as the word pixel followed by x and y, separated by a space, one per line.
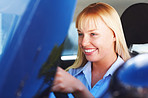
pixel 112 20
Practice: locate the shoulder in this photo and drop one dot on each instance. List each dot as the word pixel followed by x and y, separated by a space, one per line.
pixel 76 71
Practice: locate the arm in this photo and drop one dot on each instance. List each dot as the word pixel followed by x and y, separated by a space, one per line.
pixel 66 83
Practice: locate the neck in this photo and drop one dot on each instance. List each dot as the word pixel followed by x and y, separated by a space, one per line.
pixel 100 68
pixel 104 63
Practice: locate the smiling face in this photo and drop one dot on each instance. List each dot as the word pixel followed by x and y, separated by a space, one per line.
pixel 96 40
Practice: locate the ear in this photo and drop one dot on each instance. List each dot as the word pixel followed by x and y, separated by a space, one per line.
pixel 114 36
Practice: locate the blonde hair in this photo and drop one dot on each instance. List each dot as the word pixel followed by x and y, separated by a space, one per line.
pixel 112 20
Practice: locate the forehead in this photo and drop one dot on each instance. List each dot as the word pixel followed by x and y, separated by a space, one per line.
pixel 90 22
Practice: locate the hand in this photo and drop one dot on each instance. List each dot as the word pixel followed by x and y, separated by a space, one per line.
pixel 66 83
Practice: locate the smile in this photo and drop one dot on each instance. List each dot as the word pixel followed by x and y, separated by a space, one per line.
pixel 89 50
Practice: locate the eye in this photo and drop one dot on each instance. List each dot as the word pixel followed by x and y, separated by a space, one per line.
pixel 80 34
pixel 93 34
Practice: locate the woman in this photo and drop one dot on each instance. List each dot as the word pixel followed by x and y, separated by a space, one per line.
pixel 102 49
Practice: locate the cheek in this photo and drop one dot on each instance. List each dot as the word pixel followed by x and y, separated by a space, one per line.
pixel 109 38
pixel 110 41
pixel 97 42
pixel 79 44
pixel 102 44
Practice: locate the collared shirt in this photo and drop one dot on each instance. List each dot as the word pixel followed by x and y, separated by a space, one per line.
pixel 84 75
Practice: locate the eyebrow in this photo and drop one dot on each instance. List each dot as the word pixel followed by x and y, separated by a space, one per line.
pixel 78 30
pixel 88 30
pixel 92 30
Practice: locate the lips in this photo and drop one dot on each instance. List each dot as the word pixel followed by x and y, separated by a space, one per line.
pixel 89 51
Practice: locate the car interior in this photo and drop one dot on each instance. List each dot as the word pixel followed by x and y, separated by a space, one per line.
pixel 30 51
pixel 134 26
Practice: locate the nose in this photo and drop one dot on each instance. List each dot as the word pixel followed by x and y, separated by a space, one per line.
pixel 85 41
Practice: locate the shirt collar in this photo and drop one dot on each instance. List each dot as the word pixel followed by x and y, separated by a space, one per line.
pixel 110 71
pixel 83 69
pixel 114 66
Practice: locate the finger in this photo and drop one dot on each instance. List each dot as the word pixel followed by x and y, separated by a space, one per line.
pixel 58 88
pixel 58 78
pixel 60 69
pixel 54 88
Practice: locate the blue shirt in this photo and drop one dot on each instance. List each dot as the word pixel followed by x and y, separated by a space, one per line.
pixel 84 75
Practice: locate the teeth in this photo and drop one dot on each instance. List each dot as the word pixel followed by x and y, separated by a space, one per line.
pixel 90 50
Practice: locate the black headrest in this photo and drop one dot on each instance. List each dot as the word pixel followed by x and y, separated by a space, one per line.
pixel 135 23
